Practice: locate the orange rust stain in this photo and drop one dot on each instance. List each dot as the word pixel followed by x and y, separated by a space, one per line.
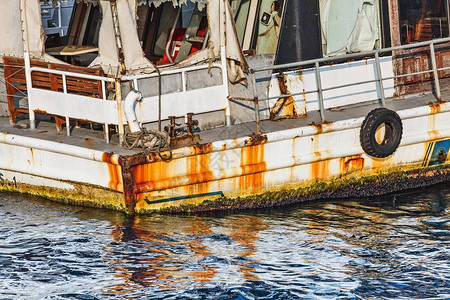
pixel 319 128
pixel 195 175
pixel 320 170
pixel 351 163
pixel 253 164
pixel 31 161
pixel 435 107
pixel 256 139
pixel 115 173
pixel 203 148
pixel 198 170
pixel 432 123
pixel 152 174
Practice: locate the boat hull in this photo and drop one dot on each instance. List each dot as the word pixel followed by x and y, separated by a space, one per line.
pixel 304 163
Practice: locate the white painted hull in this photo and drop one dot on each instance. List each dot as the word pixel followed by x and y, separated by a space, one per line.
pixel 239 168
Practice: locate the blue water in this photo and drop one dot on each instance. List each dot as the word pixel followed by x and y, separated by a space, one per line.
pixel 396 247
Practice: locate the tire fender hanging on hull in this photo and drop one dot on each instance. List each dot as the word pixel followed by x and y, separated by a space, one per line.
pixel 371 136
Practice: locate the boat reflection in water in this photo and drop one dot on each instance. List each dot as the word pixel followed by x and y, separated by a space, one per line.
pixel 392 247
pixel 181 251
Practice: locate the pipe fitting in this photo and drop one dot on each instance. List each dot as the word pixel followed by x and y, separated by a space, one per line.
pixel 129 108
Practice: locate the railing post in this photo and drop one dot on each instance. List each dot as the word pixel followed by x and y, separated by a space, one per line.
pixel 435 72
pixel 256 102
pixel 64 82
pixel 119 110
pixel 319 92
pixel 106 124
pixel 380 79
pixel 29 83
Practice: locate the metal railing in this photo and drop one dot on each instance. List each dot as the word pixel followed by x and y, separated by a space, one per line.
pixel 64 75
pixel 378 80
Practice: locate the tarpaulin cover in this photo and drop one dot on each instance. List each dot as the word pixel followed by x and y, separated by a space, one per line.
pixel 348 26
pixel 108 57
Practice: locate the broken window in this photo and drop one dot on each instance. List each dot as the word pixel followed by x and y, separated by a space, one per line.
pixel 71 29
pixel 170 34
pixel 56 17
pixel 258 24
pixel 422 20
pixel 349 26
pixel 269 23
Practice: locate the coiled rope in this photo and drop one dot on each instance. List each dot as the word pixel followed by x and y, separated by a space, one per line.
pixel 150 141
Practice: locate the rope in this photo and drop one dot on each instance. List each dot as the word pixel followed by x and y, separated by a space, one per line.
pixel 149 141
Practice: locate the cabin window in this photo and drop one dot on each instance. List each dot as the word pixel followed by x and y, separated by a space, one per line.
pixel 349 26
pixel 170 34
pixel 422 20
pixel 56 18
pixel 71 30
pixel 258 24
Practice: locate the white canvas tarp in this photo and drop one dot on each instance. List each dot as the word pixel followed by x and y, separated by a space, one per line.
pixel 348 26
pixel 21 29
pixel 108 56
pixel 222 32
pixel 26 15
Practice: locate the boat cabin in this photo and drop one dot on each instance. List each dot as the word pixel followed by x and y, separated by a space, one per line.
pixel 222 61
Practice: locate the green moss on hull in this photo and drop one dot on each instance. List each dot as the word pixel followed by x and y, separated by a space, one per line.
pixel 82 195
pixel 357 187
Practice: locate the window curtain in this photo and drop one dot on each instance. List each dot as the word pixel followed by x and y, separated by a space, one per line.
pixel 348 26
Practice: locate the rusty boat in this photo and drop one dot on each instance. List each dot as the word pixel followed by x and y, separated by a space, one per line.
pixel 150 106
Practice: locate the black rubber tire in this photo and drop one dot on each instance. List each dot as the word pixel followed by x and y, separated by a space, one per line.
pixel 392 137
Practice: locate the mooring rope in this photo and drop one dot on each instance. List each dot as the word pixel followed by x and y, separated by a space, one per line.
pixel 149 141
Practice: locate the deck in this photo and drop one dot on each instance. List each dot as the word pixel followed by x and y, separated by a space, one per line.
pixel 87 137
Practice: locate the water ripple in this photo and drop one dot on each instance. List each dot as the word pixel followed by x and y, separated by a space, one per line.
pixel 394 247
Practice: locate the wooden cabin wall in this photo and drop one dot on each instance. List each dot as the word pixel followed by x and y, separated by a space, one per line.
pixel 408 61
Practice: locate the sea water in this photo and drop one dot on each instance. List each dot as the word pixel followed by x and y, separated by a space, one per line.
pixel 393 247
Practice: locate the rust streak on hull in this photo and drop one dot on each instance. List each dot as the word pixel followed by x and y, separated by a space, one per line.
pixel 253 164
pixel 320 170
pixel 351 164
pixel 115 173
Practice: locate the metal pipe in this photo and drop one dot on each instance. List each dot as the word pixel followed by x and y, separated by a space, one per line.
pixel 117 35
pixel 130 114
pixel 172 71
pixel 320 93
pixel 380 79
pixel 223 62
pixel 64 82
pixel 435 72
pixel 79 75
pixel 169 56
pixel 56 147
pixel 256 102
pixel 106 124
pixel 28 78
pixel 61 31
pixel 159 96
pixel 350 56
